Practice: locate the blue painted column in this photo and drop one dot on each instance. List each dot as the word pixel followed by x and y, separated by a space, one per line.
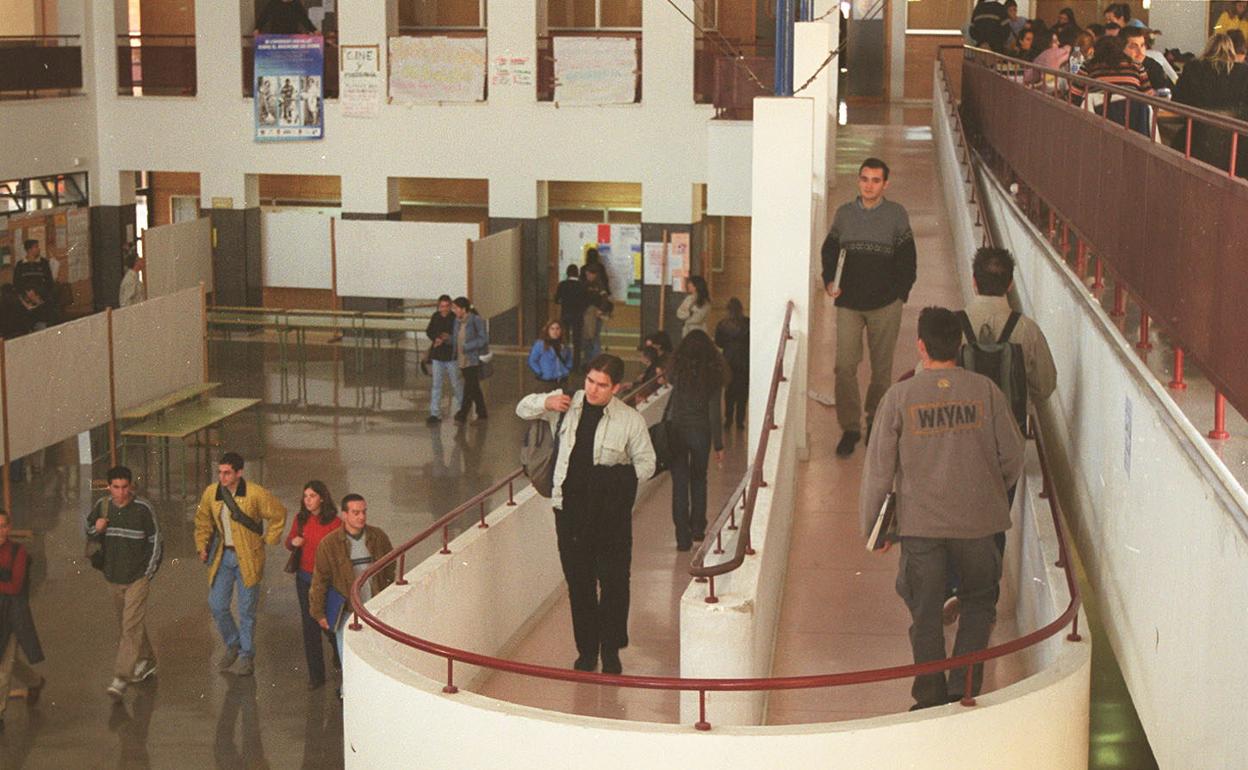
pixel 785 17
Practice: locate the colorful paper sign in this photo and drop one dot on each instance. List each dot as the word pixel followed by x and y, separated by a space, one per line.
pixel 289 94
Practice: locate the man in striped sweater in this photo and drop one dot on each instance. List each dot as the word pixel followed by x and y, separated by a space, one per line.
pixel 126 528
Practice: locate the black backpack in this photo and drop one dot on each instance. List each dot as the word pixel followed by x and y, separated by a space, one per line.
pixel 1000 361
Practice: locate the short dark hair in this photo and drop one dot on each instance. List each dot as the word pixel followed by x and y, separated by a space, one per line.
pixel 993 269
pixel 351 498
pixel 444 298
pixel 232 459
pixel 1131 31
pixel 1121 10
pixel 1112 25
pixel 941 333
pixel 573 271
pixel 609 365
pixel 875 163
pixel 120 472
pixel 131 257
pixel 30 243
pixel 1068 35
pixel 592 256
pixel 462 302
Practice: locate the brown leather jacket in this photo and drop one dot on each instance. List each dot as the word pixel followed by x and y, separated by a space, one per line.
pixel 333 566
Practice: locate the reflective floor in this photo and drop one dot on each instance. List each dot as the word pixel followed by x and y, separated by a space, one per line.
pixel 373 442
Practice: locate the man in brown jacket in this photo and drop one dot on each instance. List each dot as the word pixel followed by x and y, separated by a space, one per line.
pixel 233 547
pixel 342 556
pixel 947 441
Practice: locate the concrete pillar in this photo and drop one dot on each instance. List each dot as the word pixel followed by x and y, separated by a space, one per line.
pixel 782 261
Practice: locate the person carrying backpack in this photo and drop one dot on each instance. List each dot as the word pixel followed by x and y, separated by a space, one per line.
pixel 988 316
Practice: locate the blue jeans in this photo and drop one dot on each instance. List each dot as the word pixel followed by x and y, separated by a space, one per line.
pixel 236 636
pixel 448 369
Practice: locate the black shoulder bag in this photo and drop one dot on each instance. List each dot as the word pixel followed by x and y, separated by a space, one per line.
pixel 237 515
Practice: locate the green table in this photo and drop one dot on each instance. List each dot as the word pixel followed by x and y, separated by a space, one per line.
pixel 185 420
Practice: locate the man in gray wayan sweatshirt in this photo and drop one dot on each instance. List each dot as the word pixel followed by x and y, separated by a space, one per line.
pixel 947 442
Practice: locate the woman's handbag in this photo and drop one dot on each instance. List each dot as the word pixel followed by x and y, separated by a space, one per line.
pixel 292 563
pixel 661 438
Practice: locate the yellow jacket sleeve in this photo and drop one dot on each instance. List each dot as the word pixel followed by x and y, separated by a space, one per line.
pixel 274 515
pixel 203 519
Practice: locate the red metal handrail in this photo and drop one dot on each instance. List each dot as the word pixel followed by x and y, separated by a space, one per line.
pixel 749 486
pixel 362 616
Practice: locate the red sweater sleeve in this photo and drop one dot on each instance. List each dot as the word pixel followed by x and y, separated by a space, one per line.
pixel 13 557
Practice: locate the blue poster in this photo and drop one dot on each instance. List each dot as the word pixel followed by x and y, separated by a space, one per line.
pixel 289 95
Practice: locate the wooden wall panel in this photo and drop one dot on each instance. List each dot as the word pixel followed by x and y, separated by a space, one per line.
pixel 475 192
pixel 594 195
pixel 937 14
pixel 167 17
pixel 301 187
pixel 304 299
pixel 164 185
pixel 921 62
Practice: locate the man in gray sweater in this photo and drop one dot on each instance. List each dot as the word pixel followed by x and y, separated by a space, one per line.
pixel 947 442
pixel 868 268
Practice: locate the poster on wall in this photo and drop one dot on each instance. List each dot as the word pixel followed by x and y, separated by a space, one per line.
pixel 619 250
pixel 437 69
pixel 678 260
pixel 78 244
pixel 595 70
pixel 288 88
pixel 654 253
pixel 359 79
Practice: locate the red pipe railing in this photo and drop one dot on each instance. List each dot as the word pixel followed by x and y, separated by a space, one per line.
pixel 747 490
pixel 1187 324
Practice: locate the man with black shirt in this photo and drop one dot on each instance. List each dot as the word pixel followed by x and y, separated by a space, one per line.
pixel 990 25
pixel 440 332
pixel 874 235
pixel 284 17
pixel 34 273
pixel 1136 49
pixel 570 296
pixel 130 540
pixel 604 450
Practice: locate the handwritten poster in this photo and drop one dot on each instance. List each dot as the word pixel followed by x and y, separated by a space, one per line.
pixel 507 70
pixel 652 275
pixel 437 69
pixel 595 70
pixel 678 260
pixel 360 80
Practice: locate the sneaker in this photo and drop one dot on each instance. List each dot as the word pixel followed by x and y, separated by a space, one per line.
pixel 949 613
pixel 586 663
pixel 611 662
pixel 143 669
pixel 849 439
pixel 433 419
pixel 117 688
pixel 34 691
pixel 244 667
pixel 227 658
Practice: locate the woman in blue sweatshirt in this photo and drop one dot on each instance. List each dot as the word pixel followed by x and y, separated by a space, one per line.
pixel 549 360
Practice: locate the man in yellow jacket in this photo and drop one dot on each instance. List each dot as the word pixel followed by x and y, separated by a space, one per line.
pixel 234 521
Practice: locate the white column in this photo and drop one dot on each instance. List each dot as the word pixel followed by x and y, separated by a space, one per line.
pixel 813 41
pixel 780 245
pixel 218 52
pixel 896 41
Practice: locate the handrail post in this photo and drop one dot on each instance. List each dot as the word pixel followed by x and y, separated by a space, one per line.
pixel 511 492
pixel 1219 432
pixel 719 543
pixel 399 579
pixel 968 692
pixel 1074 636
pixel 702 724
pixel 1144 343
pixel 1120 301
pixel 711 598
pixel 481 516
pixel 446 540
pixel 1098 283
pixel 355 622
pixel 450 688
pixel 1177 383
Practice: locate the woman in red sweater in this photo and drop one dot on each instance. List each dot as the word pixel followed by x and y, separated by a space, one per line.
pixel 317 517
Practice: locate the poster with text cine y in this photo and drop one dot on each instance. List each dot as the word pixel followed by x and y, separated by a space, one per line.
pixel 289 92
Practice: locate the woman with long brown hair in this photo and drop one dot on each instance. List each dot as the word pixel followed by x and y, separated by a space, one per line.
pixel 549 360
pixel 697 377
pixel 317 517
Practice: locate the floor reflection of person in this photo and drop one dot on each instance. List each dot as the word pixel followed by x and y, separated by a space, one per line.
pixel 240 701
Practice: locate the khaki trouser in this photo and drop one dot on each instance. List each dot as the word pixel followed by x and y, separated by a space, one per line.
pixel 130 600
pixel 11 668
pixel 882 325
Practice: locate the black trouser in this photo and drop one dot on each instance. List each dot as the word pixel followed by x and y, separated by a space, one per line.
pixel 312 632
pixel 735 396
pixel 472 392
pixel 596 550
pixel 921 573
pixel 691 451
pixel 572 328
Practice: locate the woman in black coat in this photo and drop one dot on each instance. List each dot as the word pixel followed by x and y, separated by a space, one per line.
pixel 1219 83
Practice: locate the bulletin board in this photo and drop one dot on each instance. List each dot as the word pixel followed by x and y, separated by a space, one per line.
pixel 64 236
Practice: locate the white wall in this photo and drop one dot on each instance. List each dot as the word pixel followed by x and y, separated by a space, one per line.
pixel 511 140
pixel 728 167
pixel 1183 24
pixel 1160 524
pixel 46 136
pixel 735 637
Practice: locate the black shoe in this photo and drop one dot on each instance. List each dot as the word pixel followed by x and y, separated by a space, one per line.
pixel 433 419
pixel 849 439
pixel 611 662
pixel 586 663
